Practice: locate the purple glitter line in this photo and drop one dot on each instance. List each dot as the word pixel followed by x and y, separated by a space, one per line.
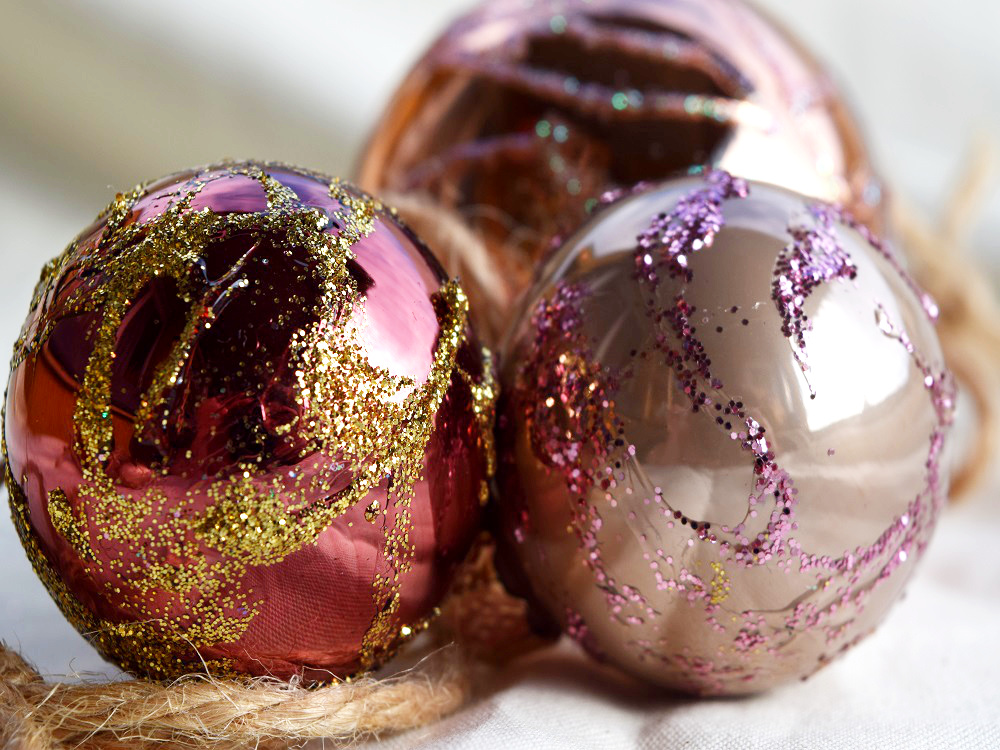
pixel 579 427
pixel 691 226
pixel 888 252
pixel 815 256
pixel 902 535
pixel 670 238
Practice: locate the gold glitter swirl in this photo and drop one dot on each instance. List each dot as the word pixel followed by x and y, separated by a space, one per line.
pixel 484 398
pixel 63 521
pixel 406 466
pixel 354 419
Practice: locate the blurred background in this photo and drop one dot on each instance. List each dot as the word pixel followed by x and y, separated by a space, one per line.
pixel 99 95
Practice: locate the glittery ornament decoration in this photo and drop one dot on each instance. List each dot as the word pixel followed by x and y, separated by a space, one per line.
pixel 720 440
pixel 248 427
pixel 520 115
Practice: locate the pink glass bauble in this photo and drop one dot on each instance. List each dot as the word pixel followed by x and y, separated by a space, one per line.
pixel 247 427
pixel 521 114
pixel 720 436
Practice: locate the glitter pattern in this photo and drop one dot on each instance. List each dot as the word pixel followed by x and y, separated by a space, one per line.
pixel 689 505
pixel 247 424
pixel 521 113
pixel 815 256
pixel 691 226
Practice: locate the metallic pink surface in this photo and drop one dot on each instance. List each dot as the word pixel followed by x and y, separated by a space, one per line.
pixel 720 435
pixel 238 402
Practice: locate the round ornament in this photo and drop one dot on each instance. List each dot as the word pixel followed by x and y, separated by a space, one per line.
pixel 720 436
pixel 521 114
pixel 248 427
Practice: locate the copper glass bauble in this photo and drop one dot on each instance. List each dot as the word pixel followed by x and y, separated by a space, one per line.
pixel 720 435
pixel 522 113
pixel 247 423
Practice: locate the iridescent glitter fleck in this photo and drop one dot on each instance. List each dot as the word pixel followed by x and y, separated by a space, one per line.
pixel 732 524
pixel 248 424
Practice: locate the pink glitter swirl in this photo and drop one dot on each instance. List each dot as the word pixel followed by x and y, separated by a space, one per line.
pixel 814 257
pixel 690 227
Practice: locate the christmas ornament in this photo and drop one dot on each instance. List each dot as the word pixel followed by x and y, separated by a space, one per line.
pixel 247 427
pixel 720 436
pixel 522 114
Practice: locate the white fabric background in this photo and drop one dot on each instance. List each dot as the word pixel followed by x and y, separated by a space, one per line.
pixel 96 96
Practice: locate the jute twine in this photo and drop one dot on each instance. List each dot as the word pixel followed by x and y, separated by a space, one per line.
pixel 480 621
pixel 197 711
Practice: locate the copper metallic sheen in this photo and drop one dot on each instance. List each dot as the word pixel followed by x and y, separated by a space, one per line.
pixel 522 114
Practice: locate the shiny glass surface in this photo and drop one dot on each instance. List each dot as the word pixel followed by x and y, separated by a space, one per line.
pixel 683 488
pixel 165 545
